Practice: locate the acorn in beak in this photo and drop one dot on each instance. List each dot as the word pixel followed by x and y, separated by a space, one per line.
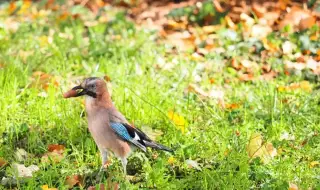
pixel 79 91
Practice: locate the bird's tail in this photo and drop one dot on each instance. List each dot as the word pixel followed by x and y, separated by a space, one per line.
pixel 158 146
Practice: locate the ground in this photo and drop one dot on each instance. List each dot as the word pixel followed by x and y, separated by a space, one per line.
pixel 236 119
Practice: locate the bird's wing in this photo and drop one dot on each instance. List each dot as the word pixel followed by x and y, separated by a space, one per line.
pixel 130 134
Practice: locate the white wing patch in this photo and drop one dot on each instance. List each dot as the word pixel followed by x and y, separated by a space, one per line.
pixel 136 136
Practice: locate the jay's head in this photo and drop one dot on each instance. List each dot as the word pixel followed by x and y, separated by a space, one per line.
pixel 93 87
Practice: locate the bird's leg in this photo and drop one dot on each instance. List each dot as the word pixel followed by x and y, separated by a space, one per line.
pixel 104 158
pixel 124 165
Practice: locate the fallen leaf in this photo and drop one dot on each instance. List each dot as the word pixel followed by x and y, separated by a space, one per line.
pixel 306 23
pixel 193 164
pixel 178 120
pixel 46 187
pixel 171 160
pixel 56 147
pixel 288 47
pixel 246 77
pixel 232 106
pixel 73 180
pixel 12 7
pixel 286 136
pixel 256 148
pixel 293 186
pixel 23 171
pixel 25 6
pixel 303 85
pixel 43 80
pixel 21 154
pixel 54 154
pixel 3 162
pixel 101 187
pixel 55 157
pixel 314 164
pixel 294 17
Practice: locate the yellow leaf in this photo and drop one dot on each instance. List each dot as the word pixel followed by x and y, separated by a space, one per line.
pixel 314 164
pixel 43 41
pixel 305 85
pixel 25 6
pixel 256 148
pixel 178 120
pixel 46 187
pixel 171 160
pixel 12 7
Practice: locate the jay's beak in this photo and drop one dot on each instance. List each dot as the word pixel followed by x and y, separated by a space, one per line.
pixel 75 92
pixel 79 93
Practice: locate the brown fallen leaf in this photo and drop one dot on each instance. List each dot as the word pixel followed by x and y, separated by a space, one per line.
pixel 246 77
pixel 306 23
pixel 73 180
pixel 295 16
pixel 12 7
pixel 293 186
pixel 3 162
pixel 43 80
pixel 54 154
pixel 232 106
pixel 56 147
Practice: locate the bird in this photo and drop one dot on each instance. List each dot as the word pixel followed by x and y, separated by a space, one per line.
pixel 109 128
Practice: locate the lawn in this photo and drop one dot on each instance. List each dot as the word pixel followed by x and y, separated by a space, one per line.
pixel 228 131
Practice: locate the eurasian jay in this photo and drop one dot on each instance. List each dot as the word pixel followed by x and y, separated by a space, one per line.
pixel 108 127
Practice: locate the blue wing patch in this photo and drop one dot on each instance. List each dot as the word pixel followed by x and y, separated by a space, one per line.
pixel 123 133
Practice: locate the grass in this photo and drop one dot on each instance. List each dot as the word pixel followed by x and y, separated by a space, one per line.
pixel 33 118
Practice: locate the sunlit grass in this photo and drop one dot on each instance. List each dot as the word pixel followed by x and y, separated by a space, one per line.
pixel 214 137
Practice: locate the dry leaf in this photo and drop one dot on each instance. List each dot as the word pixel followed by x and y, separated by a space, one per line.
pixel 43 80
pixel 12 7
pixel 178 120
pixel 286 136
pixel 21 154
pixel 3 162
pixel 232 106
pixel 256 148
pixel 55 153
pixel 46 187
pixel 314 164
pixel 193 164
pixel 73 180
pixel 23 171
pixel 101 187
pixel 293 186
pixel 56 147
pixel 303 85
pixel 294 17
pixel 55 157
pixel 307 23
pixel 171 160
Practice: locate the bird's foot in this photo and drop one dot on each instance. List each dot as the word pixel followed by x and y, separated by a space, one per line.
pixel 107 164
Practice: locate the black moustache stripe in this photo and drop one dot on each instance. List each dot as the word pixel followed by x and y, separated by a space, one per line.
pixel 92 94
